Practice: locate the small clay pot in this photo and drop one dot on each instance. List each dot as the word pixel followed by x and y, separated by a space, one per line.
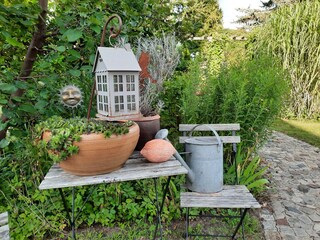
pixel 149 126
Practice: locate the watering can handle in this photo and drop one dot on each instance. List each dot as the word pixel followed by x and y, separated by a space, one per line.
pixel 214 131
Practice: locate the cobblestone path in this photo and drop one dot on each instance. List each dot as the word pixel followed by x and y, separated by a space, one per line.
pixel 293 212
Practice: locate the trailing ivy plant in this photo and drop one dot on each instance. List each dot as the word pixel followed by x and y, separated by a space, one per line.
pixel 64 132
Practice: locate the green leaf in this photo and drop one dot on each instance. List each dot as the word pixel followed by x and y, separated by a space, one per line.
pixel 96 28
pixel 75 73
pixel 41 104
pixel 73 34
pixel 27 108
pixel 17 99
pixel 61 48
pixel 8 88
pixel 14 42
pixel 3 102
pixel 2 19
pixel 258 183
pixel 3 126
pixel 4 143
pixel 21 85
pixel 74 53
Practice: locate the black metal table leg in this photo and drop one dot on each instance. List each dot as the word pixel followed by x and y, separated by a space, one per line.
pixel 159 209
pixel 65 206
pixel 72 219
pixel 240 224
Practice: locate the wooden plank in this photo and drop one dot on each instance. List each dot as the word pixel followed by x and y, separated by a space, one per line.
pixel 3 218
pixel 4 227
pixel 4 232
pixel 217 127
pixel 130 166
pixel 233 196
pixel 224 139
pixel 134 169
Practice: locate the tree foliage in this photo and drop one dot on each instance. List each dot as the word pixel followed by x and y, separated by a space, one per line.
pixel 255 17
pixel 73 32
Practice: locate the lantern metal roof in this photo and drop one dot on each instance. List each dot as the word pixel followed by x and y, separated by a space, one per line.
pixel 117 59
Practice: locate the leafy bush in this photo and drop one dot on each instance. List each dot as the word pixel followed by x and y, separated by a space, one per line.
pixel 250 93
pixel 249 172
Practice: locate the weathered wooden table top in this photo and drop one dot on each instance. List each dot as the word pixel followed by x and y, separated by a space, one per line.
pixel 137 167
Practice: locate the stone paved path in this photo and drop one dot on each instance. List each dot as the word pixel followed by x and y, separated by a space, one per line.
pixel 293 212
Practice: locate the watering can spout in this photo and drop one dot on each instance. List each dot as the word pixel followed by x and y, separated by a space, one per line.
pixel 162 134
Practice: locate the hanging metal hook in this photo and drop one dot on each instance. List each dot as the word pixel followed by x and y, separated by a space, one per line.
pixel 114 32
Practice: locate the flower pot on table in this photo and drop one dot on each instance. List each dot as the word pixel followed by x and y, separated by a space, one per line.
pixel 98 155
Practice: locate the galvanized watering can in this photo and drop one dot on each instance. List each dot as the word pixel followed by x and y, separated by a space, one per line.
pixel 204 161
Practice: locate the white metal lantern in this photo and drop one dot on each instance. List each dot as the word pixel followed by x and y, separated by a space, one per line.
pixel 116 73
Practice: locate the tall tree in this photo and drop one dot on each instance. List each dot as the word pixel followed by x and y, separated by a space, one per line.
pixel 34 49
pixel 255 17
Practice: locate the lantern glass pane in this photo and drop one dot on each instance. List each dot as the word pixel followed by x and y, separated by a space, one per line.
pixel 104 83
pixel 128 82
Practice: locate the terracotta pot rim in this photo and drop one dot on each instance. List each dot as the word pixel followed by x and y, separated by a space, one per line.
pixel 145 119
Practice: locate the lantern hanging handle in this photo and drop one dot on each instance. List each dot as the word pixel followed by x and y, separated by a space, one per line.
pixel 114 32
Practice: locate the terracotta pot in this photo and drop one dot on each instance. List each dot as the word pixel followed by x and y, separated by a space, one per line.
pixel 149 126
pixel 98 155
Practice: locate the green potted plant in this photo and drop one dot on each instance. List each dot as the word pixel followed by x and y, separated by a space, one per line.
pixel 158 58
pixel 84 147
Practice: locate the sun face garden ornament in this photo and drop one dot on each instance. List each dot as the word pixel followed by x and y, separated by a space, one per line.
pixel 71 96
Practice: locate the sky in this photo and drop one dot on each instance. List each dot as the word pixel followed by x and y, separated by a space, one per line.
pixel 230 13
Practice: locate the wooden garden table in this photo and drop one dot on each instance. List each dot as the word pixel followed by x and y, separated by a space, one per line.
pixel 136 168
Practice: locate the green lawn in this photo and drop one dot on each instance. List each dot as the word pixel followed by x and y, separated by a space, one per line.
pixel 305 130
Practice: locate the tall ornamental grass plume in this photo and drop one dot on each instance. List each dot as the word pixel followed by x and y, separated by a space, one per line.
pixel 293 34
